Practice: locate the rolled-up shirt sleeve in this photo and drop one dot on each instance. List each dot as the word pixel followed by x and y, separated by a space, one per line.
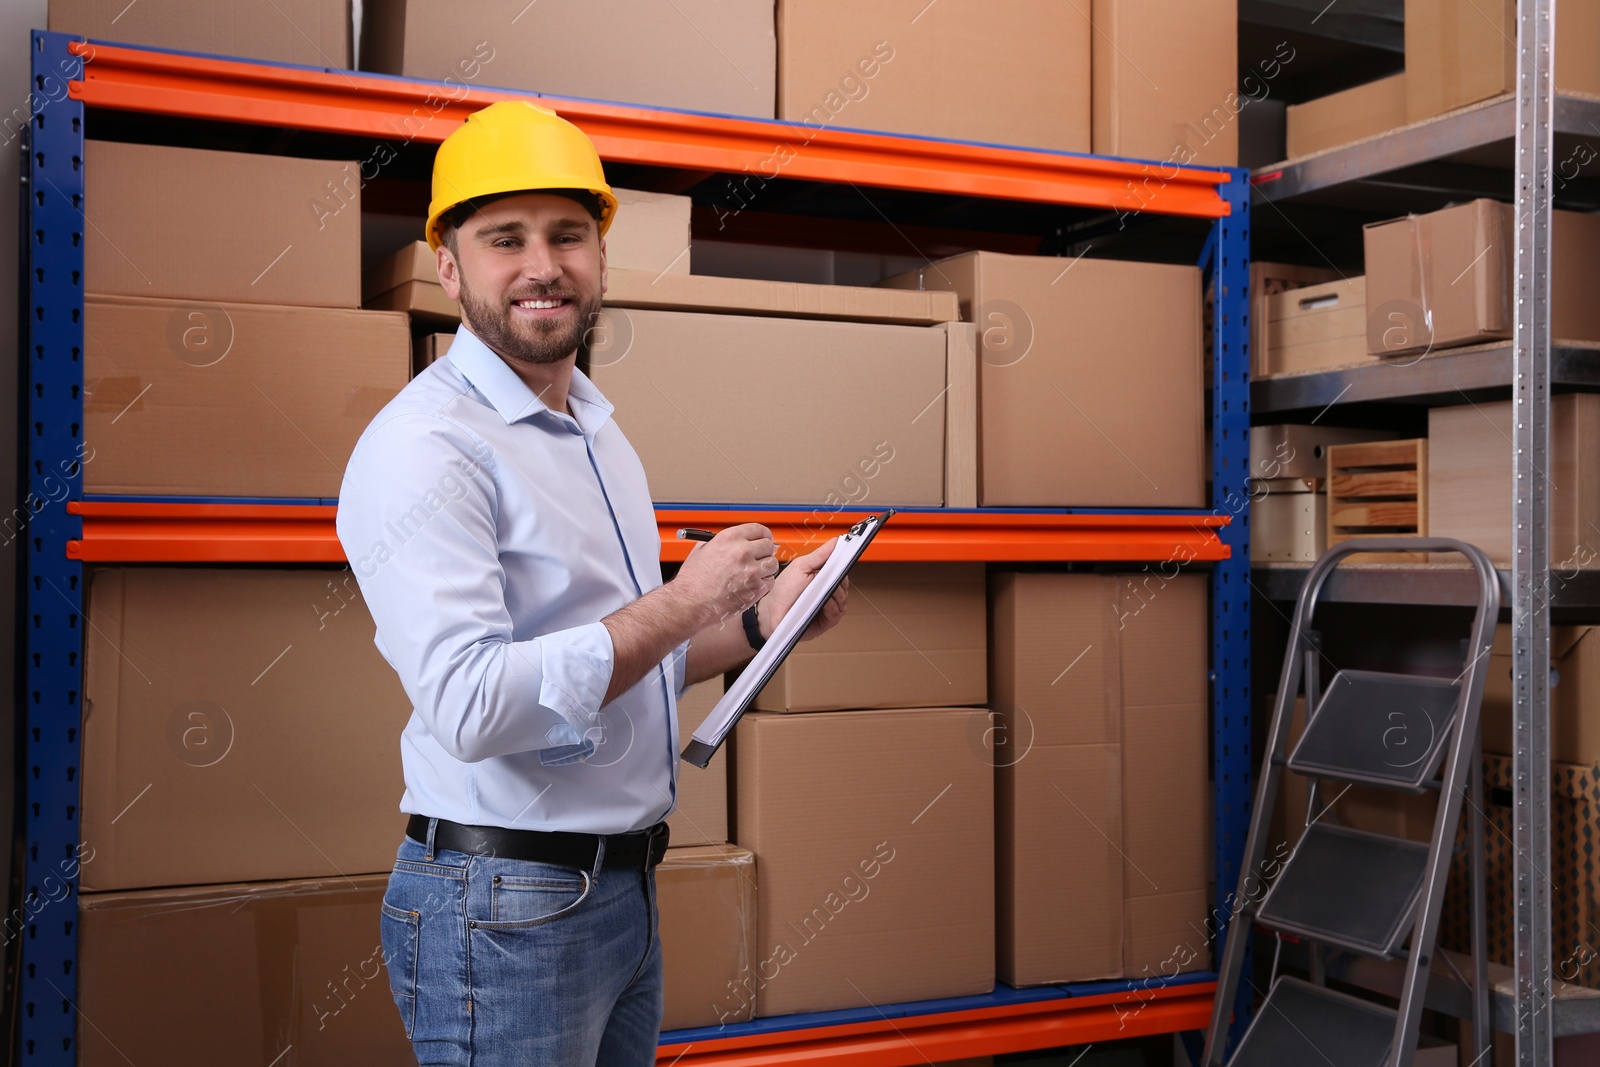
pixel 416 518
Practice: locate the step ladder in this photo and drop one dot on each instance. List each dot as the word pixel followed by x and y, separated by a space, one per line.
pixel 1349 890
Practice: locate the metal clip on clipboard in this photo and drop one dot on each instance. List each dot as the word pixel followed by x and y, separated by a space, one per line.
pixel 720 722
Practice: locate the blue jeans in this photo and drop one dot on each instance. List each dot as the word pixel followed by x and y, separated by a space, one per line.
pixel 506 962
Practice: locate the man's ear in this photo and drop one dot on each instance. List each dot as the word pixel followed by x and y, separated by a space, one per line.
pixel 603 275
pixel 449 272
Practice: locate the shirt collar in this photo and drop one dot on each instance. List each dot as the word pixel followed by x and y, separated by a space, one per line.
pixel 510 396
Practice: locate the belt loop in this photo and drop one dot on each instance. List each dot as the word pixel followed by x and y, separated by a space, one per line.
pixel 433 825
pixel 599 857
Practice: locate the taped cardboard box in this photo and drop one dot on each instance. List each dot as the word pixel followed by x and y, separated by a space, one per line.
pixel 1099 688
pixel 706 898
pixel 1574 696
pixel 886 65
pixel 873 833
pixel 1460 53
pixel 737 409
pixel 237 974
pixel 231 399
pixel 313 32
pixel 703 55
pixel 166 222
pixel 701 817
pixel 1470 479
pixel 1345 117
pixel 1188 112
pixel 231 718
pixel 1445 278
pixel 1317 328
pixel 1094 359
pixel 914 637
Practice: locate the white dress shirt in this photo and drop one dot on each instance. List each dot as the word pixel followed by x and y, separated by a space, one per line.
pixel 490 535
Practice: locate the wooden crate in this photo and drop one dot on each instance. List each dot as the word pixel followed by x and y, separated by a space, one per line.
pixel 1378 489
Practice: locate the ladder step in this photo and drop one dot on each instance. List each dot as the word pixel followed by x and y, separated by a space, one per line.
pixel 1348 888
pixel 1305 1024
pixel 1378 728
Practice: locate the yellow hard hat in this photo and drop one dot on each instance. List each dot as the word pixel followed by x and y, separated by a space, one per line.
pixel 515 146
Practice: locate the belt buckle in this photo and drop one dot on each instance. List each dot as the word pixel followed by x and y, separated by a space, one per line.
pixel 656 850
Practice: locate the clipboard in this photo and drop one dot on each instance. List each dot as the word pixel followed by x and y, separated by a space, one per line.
pixel 720 722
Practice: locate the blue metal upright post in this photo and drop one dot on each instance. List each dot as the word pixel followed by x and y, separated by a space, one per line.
pixel 52 596
pixel 1230 579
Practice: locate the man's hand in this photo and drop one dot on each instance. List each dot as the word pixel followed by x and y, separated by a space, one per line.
pixel 786 590
pixel 728 573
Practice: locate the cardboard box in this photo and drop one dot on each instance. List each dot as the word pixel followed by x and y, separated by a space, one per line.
pixel 233 400
pixel 649 233
pixel 1457 265
pixel 914 637
pixel 753 296
pixel 1317 327
pixel 1574 876
pixel 735 409
pixel 1166 80
pixel 409 281
pixel 1345 117
pixel 1267 279
pixel 1290 451
pixel 886 65
pixel 1099 689
pixel 429 349
pixel 874 841
pixel 701 817
pixel 1460 53
pixel 1470 482
pixel 313 32
pixel 1288 520
pixel 222 708
pixel 237 974
pixel 1574 700
pixel 166 222
pixel 961 415
pixel 706 899
pixel 703 55
pixel 1093 359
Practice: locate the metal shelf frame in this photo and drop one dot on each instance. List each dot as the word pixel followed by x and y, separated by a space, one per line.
pixel 1528 368
pixel 63 530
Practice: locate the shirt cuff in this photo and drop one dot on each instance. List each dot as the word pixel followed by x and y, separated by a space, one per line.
pixel 576 672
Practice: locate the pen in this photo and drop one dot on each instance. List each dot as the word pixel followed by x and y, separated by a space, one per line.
pixel 689 533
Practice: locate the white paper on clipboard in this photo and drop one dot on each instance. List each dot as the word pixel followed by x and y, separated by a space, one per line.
pixel 719 723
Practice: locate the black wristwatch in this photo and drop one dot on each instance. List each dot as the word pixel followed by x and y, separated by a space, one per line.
pixel 752 627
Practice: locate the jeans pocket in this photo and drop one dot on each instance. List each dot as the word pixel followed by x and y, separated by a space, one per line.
pixel 401 931
pixel 519 903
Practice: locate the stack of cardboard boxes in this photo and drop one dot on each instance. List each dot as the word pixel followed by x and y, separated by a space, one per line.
pixel 239 771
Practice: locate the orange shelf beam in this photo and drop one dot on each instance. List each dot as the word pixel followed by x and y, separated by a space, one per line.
pixel 921 1039
pixel 293 533
pixel 1003 537
pixel 399 111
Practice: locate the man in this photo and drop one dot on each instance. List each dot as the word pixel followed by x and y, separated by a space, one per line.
pixel 506 544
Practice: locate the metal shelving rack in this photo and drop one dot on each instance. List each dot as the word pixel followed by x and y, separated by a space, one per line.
pixel 102 78
pixel 1472 152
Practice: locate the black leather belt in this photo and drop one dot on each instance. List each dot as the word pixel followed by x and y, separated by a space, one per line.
pixel 641 849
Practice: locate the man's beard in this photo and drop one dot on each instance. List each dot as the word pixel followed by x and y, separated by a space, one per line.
pixel 532 341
